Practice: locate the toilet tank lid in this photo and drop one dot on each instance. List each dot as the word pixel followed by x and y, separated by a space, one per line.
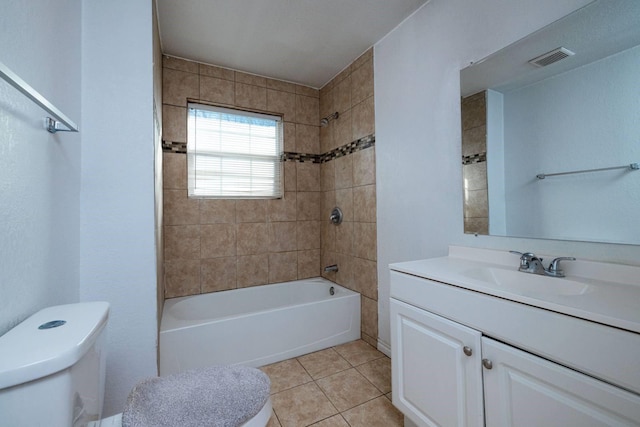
pixel 28 352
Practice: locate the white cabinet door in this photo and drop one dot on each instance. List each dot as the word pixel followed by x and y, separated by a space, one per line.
pixel 435 382
pixel 525 390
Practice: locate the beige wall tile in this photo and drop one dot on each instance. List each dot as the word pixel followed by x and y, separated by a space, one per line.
pixel 364 166
pixel 326 105
pixel 342 75
pixel 289 137
pixel 283 267
pixel 365 277
pixel 307 110
pixel 217 240
pixel 283 209
pixel 174 171
pixel 181 242
pixel 282 236
pixel 308 176
pixel 326 137
pixel 308 205
pixel 476 204
pixel 174 123
pixel 181 278
pixel 290 172
pixel 307 91
pixel 344 171
pixel 252 270
pixel 178 208
pixel 217 90
pixel 213 211
pixel 177 86
pixel 251 79
pixel 369 340
pixel 342 95
pixel 363 120
pixel 217 274
pixel 252 238
pixel 344 276
pixel 474 176
pixel 251 211
pixel 281 85
pixel 344 238
pixel 250 96
pixel 282 103
pixel 344 200
pixel 327 205
pixel 218 72
pixel 368 55
pixel 364 240
pixel 476 225
pixel 474 140
pixel 474 111
pixel 307 139
pixel 369 310
pixel 362 82
pixel 308 263
pixel 328 236
pixel 179 64
pixel 328 176
pixel 343 129
pixel 308 235
pixel 364 203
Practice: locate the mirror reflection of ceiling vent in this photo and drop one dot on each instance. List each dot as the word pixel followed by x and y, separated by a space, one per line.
pixel 550 57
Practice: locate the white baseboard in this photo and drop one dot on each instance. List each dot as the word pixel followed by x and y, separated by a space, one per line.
pixel 384 347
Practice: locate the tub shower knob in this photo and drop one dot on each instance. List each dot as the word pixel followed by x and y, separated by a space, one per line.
pixel 467 350
pixel 336 216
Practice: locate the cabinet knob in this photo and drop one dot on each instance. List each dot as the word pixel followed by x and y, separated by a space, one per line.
pixel 467 350
pixel 487 363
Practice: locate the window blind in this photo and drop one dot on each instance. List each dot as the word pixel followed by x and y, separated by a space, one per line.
pixel 233 154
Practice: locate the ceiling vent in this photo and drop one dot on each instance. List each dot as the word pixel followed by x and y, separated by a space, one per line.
pixel 550 57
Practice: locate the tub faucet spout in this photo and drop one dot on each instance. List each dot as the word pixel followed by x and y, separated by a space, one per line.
pixel 333 267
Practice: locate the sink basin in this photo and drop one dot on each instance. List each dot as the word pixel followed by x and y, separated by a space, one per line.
pixel 519 282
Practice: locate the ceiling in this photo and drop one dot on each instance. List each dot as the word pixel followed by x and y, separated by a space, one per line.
pixel 300 41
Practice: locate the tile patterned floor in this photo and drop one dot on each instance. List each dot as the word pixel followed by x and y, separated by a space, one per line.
pixel 343 386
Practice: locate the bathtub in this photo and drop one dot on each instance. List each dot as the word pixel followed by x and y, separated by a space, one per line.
pixel 256 326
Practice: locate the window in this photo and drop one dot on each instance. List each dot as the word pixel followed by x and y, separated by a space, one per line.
pixel 233 154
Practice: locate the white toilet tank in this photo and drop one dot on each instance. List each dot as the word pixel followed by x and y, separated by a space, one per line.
pixel 52 367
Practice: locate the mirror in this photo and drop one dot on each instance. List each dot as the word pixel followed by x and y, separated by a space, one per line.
pixel 535 138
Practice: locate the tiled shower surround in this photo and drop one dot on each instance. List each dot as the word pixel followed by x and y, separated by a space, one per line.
pixel 474 161
pixel 213 245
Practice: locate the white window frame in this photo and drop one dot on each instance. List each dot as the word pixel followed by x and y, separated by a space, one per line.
pixel 230 159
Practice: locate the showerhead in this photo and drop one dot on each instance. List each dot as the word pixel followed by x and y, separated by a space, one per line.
pixel 325 120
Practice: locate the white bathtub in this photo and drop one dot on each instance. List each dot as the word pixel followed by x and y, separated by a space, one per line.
pixel 256 326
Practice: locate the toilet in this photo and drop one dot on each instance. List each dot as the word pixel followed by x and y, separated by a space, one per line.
pixel 52 371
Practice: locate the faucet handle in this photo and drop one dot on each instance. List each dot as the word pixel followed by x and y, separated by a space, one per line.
pixel 554 268
pixel 526 258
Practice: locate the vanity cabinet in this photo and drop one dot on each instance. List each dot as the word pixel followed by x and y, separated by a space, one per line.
pixel 463 358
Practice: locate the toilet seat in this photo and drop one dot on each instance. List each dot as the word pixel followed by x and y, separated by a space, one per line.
pixel 259 420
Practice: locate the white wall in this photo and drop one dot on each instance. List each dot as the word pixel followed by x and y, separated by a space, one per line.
pixel 417 98
pixel 117 230
pixel 583 119
pixel 39 172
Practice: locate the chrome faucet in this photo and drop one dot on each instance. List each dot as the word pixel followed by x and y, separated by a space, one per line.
pixel 333 267
pixel 529 263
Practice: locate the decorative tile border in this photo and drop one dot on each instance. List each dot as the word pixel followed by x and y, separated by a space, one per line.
pixel 288 156
pixel 474 158
pixel 174 147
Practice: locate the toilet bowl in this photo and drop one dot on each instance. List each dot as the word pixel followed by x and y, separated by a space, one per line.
pixel 52 370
